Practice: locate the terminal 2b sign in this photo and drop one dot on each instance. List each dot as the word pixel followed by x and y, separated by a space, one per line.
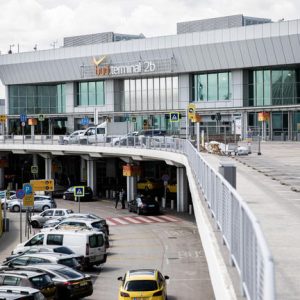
pixel 115 70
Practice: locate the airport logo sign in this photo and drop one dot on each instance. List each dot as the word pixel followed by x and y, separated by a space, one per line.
pixel 114 70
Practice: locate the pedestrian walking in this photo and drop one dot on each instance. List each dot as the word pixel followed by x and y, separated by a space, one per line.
pixel 117 198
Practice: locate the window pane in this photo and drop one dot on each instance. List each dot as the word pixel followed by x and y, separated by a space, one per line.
pixel 223 86
pixel 156 94
pixel 175 92
pixel 267 87
pixel 202 87
pixel 259 88
pixel 138 84
pixel 144 94
pixel 127 95
pixel 92 93
pixel 150 94
pixel 83 92
pixel 163 92
pixel 132 95
pixel 276 87
pixel 169 93
pixel 213 87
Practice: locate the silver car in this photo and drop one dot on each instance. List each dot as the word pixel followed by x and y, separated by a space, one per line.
pixel 41 203
pixel 74 137
pixel 49 214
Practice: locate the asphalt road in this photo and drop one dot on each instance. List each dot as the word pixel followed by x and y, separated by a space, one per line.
pixel 169 242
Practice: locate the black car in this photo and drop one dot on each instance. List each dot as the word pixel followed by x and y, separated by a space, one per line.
pixel 69 283
pixel 144 205
pixel 69 194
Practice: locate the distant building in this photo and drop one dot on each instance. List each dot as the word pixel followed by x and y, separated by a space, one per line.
pixel 235 69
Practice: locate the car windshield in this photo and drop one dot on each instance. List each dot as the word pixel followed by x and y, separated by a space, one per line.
pixel 141 285
pixel 97 225
pixel 67 273
pixel 70 262
pixel 40 281
pixel 64 250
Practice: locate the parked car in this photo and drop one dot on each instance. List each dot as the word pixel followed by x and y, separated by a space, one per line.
pixel 43 258
pixel 147 184
pixel 143 205
pixel 129 139
pixel 34 279
pixel 49 214
pixel 47 249
pixel 73 223
pixel 69 194
pixel 143 284
pixel 58 191
pixel 41 203
pixel 69 283
pixel 8 200
pixel 171 187
pixel 88 243
pixel 9 292
pixel 4 193
pixel 54 222
pixel 74 137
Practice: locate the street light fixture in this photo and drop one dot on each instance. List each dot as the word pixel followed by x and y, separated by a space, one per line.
pixel 10 46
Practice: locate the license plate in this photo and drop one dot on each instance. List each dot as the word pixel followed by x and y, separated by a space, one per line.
pixel 139 298
pixel 152 205
pixel 83 283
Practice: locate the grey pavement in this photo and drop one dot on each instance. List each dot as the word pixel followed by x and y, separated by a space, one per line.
pixel 269 184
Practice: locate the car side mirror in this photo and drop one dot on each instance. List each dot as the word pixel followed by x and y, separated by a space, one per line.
pixel 120 278
pixel 167 277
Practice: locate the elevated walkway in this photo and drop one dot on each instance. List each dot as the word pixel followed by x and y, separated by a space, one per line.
pixel 275 204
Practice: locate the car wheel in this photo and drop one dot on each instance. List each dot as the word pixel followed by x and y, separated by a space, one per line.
pixel 34 224
pixel 64 197
pixel 45 207
pixel 138 211
pixel 16 208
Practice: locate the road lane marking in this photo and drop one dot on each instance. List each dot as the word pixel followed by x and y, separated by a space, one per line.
pixel 157 219
pixel 132 220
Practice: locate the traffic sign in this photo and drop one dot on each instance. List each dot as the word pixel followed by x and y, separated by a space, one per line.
pixel 41 118
pixel 27 188
pixel 20 194
pixel 23 118
pixel 28 200
pixel 133 119
pixel 174 117
pixel 84 121
pixel 79 191
pixel 34 169
pixel 23 124
pixel 42 185
pixel 3 118
pixel 165 177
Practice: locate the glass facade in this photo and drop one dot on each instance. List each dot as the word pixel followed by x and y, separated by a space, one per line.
pixel 159 93
pixel 36 99
pixel 273 87
pixel 90 93
pixel 212 87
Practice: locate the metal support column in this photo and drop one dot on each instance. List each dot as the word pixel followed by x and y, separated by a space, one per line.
pixel 182 195
pixel 91 175
pixel 48 167
pixel 131 188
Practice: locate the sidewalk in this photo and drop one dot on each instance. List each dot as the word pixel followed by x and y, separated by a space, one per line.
pixel 276 206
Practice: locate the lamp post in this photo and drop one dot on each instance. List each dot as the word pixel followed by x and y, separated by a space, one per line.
pixel 10 46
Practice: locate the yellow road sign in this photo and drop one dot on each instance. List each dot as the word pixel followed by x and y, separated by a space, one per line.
pixel 3 118
pixel 28 200
pixel 42 185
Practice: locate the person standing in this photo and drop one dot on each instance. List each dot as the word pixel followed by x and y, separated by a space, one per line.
pixel 117 198
pixel 123 199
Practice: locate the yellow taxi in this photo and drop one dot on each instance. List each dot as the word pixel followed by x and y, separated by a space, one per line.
pixel 172 187
pixel 148 184
pixel 143 284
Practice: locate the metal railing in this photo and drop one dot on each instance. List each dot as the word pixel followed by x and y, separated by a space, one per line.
pixel 239 227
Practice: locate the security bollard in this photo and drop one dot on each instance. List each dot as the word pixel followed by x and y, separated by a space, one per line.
pixel 172 204
pixel 190 209
pixel 163 202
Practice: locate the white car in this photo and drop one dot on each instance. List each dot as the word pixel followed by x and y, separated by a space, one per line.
pixel 8 200
pixel 74 137
pixel 49 214
pixel 129 139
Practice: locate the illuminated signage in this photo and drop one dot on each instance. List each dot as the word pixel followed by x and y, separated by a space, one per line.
pixel 114 70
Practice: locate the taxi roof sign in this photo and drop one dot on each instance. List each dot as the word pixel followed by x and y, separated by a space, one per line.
pixel 79 191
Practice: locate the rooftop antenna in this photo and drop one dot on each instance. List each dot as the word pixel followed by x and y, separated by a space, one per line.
pixel 10 46
pixel 53 44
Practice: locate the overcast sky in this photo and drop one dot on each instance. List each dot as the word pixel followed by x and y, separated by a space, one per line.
pixel 45 22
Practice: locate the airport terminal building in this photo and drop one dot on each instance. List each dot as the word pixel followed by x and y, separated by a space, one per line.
pixel 232 68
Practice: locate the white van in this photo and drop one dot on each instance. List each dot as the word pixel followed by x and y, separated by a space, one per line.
pixel 90 244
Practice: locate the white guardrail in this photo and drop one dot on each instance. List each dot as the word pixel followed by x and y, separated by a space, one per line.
pixel 239 227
